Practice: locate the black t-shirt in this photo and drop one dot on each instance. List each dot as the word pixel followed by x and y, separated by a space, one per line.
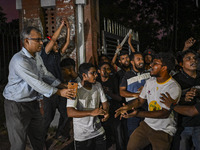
pixel 112 86
pixel 197 106
pixel 120 74
pixel 186 82
pixel 52 63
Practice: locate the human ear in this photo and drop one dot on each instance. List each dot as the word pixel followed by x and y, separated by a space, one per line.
pixel 84 75
pixel 132 62
pixel 181 64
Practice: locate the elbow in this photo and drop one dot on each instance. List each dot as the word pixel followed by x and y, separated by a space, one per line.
pixel 121 93
pixel 69 113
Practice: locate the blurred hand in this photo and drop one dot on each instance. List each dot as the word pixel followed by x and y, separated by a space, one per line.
pixel 67 93
pixel 121 111
pixel 166 99
pixel 130 115
pixel 106 116
pixel 98 111
pixel 190 94
pixel 189 42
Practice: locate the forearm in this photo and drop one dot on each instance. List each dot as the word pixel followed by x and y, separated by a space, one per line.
pixel 186 110
pixel 105 106
pixel 132 48
pixel 136 103
pixel 72 112
pixel 114 59
pixel 57 33
pixel 115 97
pixel 63 50
pixel 51 43
pixel 125 93
pixel 153 114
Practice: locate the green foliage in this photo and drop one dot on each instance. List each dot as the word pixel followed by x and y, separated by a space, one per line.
pixel 162 25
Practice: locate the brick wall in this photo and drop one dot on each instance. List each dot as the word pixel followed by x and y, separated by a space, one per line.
pixel 33 14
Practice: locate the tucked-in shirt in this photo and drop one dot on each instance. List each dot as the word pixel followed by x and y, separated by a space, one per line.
pixel 28 78
pixel 152 92
pixel 87 127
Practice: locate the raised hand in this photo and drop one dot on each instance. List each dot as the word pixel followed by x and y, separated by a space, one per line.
pixel 189 42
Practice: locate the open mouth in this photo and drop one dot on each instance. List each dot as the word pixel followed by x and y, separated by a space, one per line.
pixel 193 65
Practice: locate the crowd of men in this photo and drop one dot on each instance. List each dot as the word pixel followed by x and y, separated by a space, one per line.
pixel 137 101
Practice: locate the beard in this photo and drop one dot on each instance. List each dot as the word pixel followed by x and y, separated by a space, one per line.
pixel 125 66
pixel 140 68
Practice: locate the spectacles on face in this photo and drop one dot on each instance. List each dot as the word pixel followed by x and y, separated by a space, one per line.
pixel 93 73
pixel 36 39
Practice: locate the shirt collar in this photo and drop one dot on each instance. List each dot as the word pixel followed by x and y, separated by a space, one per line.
pixel 187 76
pixel 27 53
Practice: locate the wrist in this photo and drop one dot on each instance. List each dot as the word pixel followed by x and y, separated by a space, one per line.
pixel 172 106
pixel 117 51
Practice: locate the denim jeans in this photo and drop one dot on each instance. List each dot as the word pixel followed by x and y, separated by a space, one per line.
pixel 187 134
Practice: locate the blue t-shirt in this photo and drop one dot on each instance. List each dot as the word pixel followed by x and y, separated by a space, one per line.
pixel 133 81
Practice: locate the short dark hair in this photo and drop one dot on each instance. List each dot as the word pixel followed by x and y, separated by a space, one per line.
pixel 183 53
pixel 167 59
pixel 26 32
pixel 67 62
pixel 101 64
pixel 123 52
pixel 84 68
pixel 102 55
pixel 133 55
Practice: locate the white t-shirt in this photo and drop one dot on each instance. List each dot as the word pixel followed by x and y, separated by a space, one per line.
pixel 152 92
pixel 87 127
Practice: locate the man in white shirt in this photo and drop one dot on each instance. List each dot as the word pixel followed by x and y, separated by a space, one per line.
pixel 88 131
pixel 158 126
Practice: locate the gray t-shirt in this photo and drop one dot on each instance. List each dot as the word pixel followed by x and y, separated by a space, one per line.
pixel 87 127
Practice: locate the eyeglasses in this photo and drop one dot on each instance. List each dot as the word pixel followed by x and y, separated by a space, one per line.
pixel 36 39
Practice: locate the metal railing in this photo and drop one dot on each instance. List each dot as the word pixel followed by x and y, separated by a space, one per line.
pixel 9 45
pixel 112 34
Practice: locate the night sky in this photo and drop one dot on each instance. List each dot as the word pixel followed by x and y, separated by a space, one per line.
pixel 9 8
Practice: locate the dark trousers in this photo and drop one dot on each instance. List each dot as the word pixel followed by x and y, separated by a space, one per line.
pixel 114 130
pixel 50 105
pixel 97 143
pixel 24 119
